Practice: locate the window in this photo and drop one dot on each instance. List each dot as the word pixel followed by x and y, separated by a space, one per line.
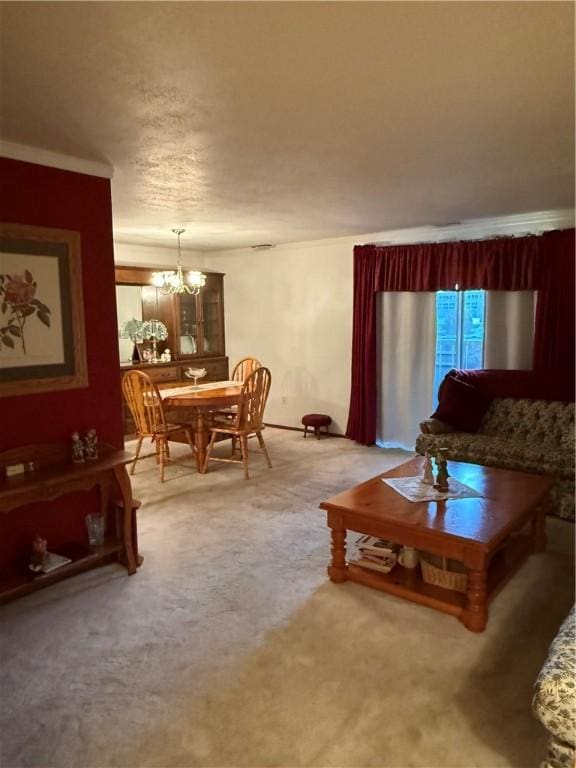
pixel 459 332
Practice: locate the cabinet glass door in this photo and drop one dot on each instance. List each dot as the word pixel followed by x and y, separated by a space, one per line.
pixel 213 339
pixel 188 342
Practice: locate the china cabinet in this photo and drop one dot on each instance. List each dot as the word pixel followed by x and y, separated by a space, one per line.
pixel 200 320
pixel 195 326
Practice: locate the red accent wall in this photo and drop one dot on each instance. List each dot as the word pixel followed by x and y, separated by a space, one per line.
pixel 49 197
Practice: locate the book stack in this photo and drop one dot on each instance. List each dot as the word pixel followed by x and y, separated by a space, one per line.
pixel 375 554
pixel 50 563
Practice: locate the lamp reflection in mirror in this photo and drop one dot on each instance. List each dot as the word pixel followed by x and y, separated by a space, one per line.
pixel 155 331
pixel 172 281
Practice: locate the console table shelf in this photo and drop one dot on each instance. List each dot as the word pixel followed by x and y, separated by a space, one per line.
pixel 51 474
pixel 17 583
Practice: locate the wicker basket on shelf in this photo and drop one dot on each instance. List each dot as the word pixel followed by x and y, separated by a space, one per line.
pixel 442 572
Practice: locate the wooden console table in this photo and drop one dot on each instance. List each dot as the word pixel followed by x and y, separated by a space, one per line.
pixel 51 474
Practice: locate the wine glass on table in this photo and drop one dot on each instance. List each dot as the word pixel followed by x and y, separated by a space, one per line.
pixel 195 374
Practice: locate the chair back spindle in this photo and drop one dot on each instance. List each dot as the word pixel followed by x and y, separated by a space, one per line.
pixel 244 368
pixel 145 403
pixel 253 399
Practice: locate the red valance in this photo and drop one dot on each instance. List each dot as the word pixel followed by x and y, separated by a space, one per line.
pixel 497 264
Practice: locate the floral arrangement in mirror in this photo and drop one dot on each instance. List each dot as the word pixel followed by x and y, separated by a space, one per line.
pixel 132 329
pixel 155 331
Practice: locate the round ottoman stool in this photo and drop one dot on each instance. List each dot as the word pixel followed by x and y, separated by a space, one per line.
pixel 316 420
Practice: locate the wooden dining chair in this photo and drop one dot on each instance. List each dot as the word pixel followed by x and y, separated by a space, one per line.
pixel 143 399
pixel 246 422
pixel 244 368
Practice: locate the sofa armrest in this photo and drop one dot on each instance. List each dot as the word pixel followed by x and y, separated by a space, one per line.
pixel 554 701
pixel 435 427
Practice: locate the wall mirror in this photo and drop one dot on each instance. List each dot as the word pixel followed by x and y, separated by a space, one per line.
pixel 195 323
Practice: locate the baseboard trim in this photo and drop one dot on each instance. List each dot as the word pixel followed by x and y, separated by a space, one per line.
pixel 299 429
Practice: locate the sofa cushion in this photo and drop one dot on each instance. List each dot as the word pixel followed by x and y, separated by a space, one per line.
pixel 526 435
pixel 461 405
pixel 543 421
pixel 554 701
pixel 502 452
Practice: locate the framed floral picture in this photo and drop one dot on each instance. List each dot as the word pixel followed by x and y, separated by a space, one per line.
pixel 42 340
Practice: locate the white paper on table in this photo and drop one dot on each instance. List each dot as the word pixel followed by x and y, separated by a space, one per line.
pixel 413 489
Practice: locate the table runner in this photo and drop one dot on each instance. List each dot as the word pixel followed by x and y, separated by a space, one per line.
pixel 413 489
pixel 200 388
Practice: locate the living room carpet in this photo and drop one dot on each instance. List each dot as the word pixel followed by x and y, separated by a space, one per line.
pixel 231 648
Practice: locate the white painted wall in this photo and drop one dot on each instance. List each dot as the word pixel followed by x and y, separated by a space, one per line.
pixel 291 306
pixel 128 255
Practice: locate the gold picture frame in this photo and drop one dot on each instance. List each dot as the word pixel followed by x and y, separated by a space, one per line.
pixel 42 331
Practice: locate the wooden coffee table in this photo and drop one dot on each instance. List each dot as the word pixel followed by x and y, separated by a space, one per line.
pixel 491 536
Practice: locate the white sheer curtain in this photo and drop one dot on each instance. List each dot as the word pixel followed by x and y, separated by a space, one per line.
pixel 406 347
pixel 509 329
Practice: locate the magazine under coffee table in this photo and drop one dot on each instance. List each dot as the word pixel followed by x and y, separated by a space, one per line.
pixel 491 535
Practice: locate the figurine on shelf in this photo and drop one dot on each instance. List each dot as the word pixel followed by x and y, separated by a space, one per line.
pixel 77 449
pixel 39 552
pixel 166 356
pixel 428 476
pixel 442 475
pixel 91 445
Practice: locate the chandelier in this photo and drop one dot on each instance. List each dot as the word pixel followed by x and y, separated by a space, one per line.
pixel 173 281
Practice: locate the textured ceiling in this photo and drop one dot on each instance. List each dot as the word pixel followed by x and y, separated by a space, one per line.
pixel 273 122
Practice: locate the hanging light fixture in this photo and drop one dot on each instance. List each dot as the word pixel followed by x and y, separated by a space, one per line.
pixel 173 281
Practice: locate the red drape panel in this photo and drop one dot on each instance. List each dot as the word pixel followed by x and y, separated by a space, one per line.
pixel 499 264
pixel 362 417
pixel 554 332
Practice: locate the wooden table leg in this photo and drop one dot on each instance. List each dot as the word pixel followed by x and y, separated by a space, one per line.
pixel 200 440
pixel 337 569
pixel 138 557
pixel 475 614
pixel 125 487
pixel 119 518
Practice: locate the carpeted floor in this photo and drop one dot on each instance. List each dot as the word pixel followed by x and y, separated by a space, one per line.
pixel 231 648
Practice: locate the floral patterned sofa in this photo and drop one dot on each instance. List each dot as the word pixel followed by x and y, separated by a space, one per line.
pixel 554 702
pixel 531 433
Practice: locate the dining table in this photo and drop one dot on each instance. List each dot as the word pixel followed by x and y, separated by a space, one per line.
pixel 195 402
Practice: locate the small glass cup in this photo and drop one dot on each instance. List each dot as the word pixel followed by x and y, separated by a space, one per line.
pixel 96 527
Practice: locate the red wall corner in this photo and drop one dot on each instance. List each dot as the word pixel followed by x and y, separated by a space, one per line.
pixel 49 197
